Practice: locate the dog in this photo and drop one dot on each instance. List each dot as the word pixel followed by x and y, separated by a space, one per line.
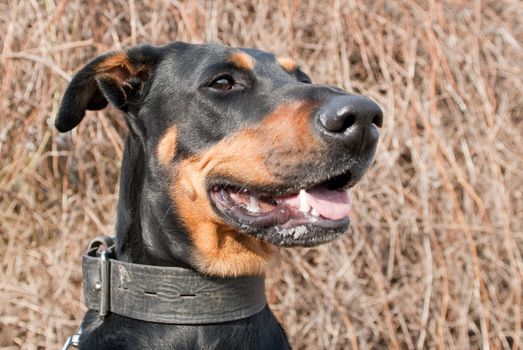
pixel 231 153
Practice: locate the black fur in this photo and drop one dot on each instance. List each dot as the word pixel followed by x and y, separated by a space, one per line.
pixel 172 89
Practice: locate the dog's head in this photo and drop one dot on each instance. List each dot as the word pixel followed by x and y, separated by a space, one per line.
pixel 243 150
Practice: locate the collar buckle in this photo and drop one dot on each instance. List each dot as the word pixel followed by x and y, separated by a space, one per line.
pixel 103 247
pixel 103 285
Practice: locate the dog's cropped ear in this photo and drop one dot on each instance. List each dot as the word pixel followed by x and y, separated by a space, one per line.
pixel 115 78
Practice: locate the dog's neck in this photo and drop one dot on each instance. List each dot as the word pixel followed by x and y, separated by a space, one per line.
pixel 146 231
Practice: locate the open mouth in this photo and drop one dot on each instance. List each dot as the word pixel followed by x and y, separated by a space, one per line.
pixel 311 215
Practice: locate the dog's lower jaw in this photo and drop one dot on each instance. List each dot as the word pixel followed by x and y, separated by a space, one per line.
pixel 225 252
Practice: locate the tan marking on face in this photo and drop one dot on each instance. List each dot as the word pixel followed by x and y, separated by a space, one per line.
pixel 243 157
pixel 220 250
pixel 242 60
pixel 167 146
pixel 287 63
pixel 289 138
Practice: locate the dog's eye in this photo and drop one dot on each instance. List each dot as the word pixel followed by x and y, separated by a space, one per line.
pixel 223 83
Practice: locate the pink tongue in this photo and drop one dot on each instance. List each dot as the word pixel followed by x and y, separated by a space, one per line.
pixel 330 204
pixel 333 205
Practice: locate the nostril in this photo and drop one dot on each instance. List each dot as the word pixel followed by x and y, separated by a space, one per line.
pixel 337 122
pixel 378 120
pixel 349 121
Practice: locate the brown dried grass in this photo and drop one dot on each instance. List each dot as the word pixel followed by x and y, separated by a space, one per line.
pixel 434 259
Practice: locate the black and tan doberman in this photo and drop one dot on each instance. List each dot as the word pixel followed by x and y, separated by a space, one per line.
pixel 231 153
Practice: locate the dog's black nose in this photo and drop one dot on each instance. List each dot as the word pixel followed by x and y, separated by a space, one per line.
pixel 351 119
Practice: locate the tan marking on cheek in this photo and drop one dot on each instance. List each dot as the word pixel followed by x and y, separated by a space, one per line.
pixel 241 157
pixel 242 60
pixel 167 146
pixel 287 63
pixel 244 156
pixel 219 249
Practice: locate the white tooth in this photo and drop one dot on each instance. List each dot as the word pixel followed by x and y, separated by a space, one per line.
pixel 253 205
pixel 314 212
pixel 304 202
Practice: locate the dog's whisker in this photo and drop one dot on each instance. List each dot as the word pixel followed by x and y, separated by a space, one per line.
pixel 166 212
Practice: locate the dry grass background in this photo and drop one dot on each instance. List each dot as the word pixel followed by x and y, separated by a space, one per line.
pixel 434 260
